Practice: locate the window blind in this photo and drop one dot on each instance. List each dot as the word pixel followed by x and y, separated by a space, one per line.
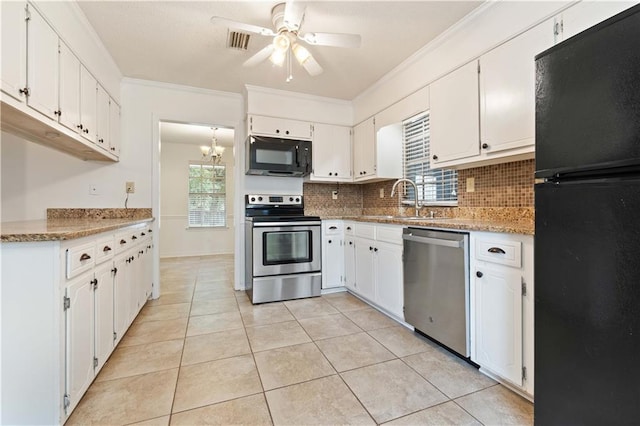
pixel 434 186
pixel 207 195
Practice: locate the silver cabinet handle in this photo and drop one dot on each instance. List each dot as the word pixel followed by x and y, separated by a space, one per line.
pixel 85 256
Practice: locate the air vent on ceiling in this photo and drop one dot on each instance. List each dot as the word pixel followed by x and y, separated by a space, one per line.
pixel 238 40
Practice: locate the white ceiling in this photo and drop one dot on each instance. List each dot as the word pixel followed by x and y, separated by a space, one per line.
pixel 194 134
pixel 174 42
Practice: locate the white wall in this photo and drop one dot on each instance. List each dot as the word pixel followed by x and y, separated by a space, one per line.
pixel 146 103
pixel 35 178
pixel 176 239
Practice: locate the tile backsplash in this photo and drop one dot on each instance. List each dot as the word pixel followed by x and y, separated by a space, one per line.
pixel 498 186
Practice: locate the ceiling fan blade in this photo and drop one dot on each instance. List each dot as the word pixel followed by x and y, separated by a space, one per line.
pixel 293 15
pixel 219 20
pixel 260 56
pixel 312 66
pixel 332 39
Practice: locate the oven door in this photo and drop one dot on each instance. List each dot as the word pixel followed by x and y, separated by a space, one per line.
pixel 286 248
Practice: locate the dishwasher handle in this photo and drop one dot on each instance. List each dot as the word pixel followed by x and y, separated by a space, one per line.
pixel 433 241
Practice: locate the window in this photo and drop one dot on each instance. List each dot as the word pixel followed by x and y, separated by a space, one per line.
pixel 437 187
pixel 207 202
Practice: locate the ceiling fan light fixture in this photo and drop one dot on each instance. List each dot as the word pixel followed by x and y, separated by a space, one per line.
pixel 281 42
pixel 301 53
pixel 278 57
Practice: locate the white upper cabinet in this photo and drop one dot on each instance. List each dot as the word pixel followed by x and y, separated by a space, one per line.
pixel 114 128
pixel 377 155
pixel 42 65
pixel 331 153
pixel 69 101
pixel 102 118
pixel 507 92
pixel 88 105
pixel 279 127
pixel 13 38
pixel 454 116
pixel 364 163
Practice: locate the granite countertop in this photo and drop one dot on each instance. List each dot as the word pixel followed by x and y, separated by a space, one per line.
pixel 525 227
pixel 60 229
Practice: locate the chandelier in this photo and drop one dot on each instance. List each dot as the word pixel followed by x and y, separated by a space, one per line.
pixel 213 153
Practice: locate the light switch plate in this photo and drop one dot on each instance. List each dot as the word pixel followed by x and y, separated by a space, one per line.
pixel 93 190
pixel 334 195
pixel 471 184
pixel 381 192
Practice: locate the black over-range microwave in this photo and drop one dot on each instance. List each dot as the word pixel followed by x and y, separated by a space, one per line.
pixel 268 156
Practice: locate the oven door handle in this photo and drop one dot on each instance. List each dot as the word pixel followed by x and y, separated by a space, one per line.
pixel 270 224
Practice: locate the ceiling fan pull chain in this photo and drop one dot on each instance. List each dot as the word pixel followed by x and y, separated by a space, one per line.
pixel 289 68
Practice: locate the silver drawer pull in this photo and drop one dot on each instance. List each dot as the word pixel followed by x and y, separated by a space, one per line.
pixel 84 256
pixel 333 227
pixel 106 249
pixel 496 250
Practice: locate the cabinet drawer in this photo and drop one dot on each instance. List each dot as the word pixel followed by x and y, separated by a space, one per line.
pixel 503 252
pixel 332 227
pixel 104 249
pixel 349 228
pixel 365 230
pixel 389 234
pixel 80 258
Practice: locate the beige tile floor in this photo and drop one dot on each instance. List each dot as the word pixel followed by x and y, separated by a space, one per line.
pixel 203 354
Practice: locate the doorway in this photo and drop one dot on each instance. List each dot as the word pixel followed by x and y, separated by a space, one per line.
pixel 197 189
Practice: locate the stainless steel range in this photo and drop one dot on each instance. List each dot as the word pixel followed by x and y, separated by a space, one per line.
pixel 282 249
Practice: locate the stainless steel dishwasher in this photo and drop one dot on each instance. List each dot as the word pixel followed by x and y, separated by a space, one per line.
pixel 436 285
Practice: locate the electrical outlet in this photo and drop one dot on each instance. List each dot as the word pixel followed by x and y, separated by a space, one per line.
pixel 334 195
pixel 471 184
pixel 130 187
pixel 381 192
pixel 93 190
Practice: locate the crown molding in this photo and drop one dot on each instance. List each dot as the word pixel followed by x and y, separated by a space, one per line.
pixel 278 92
pixel 182 88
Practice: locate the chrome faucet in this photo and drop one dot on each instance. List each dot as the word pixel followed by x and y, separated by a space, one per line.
pixel 415 191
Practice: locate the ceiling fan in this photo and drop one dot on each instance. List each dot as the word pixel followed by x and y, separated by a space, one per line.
pixel 287 36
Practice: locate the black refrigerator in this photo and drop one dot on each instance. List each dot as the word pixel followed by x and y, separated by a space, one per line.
pixel 587 235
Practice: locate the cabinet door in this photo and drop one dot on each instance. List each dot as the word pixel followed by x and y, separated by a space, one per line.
pixel 42 65
pixel 104 313
pixel 586 14
pixel 364 154
pixel 455 115
pixel 114 127
pixel 365 277
pixel 331 153
pixel 79 338
pixel 88 104
pixel 69 101
pixel 350 263
pixel 507 91
pixel 332 261
pixel 102 118
pixel 389 282
pixel 279 127
pixel 13 39
pixel 121 296
pixel 499 321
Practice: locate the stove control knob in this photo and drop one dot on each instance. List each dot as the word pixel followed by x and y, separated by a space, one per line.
pixel 259 198
pixel 253 199
pixel 290 198
pixel 297 200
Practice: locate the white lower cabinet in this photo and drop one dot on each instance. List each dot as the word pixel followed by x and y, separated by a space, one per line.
pixel 378 266
pixel 80 335
pixel 57 344
pixel 502 287
pixel 332 254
